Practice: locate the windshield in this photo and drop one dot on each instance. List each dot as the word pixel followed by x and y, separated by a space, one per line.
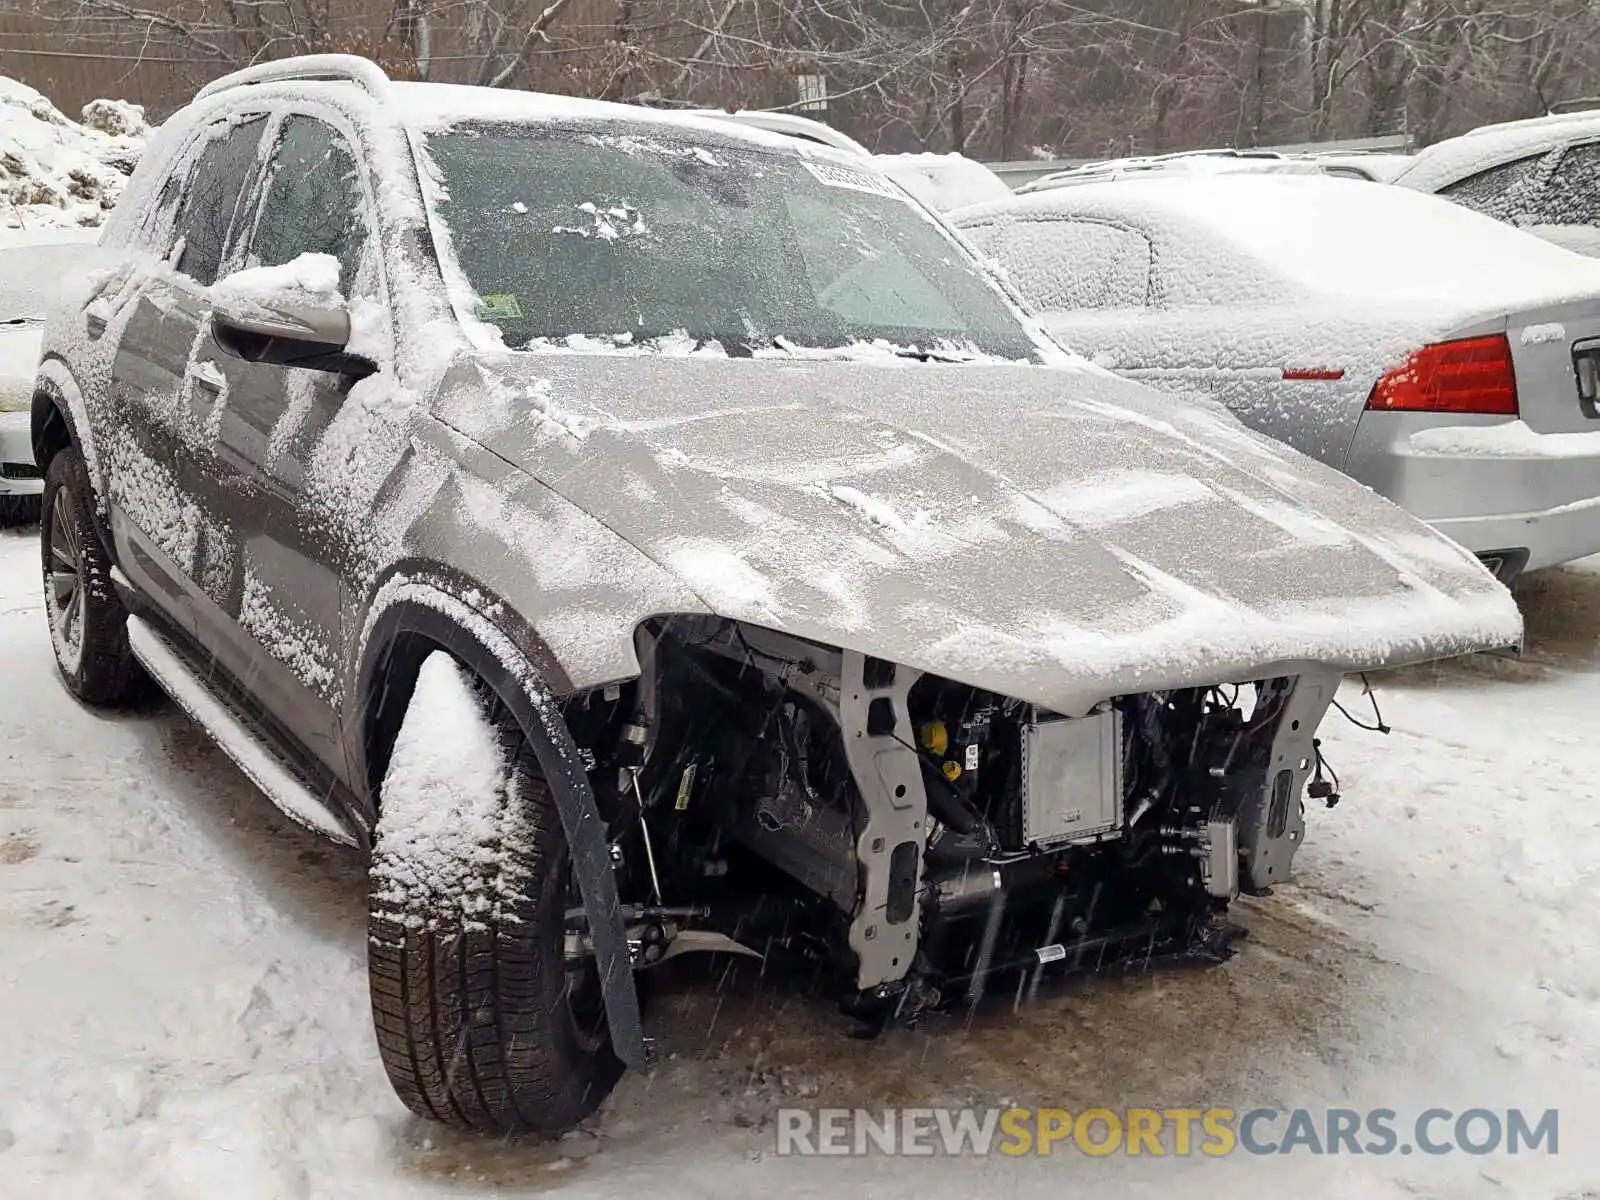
pixel 569 235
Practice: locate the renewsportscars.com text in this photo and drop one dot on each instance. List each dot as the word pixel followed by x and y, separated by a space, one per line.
pixel 1215 1132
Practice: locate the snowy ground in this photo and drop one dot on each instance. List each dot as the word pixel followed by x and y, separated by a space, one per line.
pixel 183 1010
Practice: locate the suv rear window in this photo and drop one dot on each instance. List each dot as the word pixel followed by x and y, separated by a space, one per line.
pixel 1496 192
pixel 628 234
pixel 1572 197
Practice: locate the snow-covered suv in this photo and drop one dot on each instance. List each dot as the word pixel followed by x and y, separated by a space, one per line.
pixel 648 534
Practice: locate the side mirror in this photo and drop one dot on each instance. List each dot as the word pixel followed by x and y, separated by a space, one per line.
pixel 293 315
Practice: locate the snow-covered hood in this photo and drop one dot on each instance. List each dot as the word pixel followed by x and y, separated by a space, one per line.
pixel 1057 535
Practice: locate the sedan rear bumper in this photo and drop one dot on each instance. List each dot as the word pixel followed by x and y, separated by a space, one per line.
pixel 1548 538
pixel 1493 486
pixel 18 474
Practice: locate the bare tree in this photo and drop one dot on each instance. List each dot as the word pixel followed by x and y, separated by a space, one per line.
pixel 992 78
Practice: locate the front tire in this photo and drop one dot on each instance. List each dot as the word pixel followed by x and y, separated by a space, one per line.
pixel 482 1022
pixel 88 623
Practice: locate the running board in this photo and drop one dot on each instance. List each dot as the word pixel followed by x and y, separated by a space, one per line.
pixel 212 713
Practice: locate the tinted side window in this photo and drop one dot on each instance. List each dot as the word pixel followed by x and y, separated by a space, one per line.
pixel 1572 197
pixel 211 197
pixel 1061 266
pixel 313 201
pixel 1501 192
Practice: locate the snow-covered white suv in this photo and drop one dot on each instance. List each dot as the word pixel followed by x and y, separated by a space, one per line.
pixel 649 534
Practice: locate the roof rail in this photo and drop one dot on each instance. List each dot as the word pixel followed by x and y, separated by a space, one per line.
pixel 348 68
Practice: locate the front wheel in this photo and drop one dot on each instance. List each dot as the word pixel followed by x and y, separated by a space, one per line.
pixel 483 1021
pixel 88 624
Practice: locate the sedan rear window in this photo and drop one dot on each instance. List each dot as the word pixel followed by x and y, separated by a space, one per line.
pixel 1063 266
pixel 629 235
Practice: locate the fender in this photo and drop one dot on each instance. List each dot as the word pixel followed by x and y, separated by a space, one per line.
pixel 60 418
pixel 413 611
pixel 55 391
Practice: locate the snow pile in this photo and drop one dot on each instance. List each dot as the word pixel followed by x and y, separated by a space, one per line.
pixel 877 511
pixel 446 818
pixel 56 172
pixel 609 224
pixel 1509 439
pixel 312 278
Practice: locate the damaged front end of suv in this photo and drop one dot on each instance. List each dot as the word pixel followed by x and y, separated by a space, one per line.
pixel 931 835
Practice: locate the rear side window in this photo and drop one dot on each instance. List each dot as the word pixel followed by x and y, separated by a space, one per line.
pixel 313 202
pixel 1063 266
pixel 1503 192
pixel 1572 197
pixel 212 194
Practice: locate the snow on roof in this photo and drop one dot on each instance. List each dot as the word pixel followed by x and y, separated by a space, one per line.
pixel 790 124
pixel 1188 162
pixel 56 172
pixel 434 106
pixel 1323 235
pixel 943 182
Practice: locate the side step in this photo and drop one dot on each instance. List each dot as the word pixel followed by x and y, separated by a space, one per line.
pixel 229 730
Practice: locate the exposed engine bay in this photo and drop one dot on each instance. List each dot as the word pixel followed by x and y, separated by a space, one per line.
pixel 917 837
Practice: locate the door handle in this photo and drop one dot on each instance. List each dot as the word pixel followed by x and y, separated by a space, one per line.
pixel 208 376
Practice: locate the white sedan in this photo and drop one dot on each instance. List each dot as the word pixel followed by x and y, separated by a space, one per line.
pixel 33 266
pixel 1448 361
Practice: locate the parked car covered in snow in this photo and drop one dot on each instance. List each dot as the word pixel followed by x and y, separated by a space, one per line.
pixel 1182 162
pixel 1541 175
pixel 648 534
pixel 1443 359
pixel 35 265
pixel 941 181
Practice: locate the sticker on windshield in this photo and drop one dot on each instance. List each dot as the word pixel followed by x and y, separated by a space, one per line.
pixel 502 306
pixel 838 175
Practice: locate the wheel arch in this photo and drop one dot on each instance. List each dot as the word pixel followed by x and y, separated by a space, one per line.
pixel 59 417
pixel 420 609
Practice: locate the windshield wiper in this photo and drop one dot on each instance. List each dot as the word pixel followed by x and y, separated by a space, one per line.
pixel 934 355
pixel 866 351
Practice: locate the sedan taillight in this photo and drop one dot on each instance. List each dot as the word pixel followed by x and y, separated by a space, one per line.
pixel 1472 375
